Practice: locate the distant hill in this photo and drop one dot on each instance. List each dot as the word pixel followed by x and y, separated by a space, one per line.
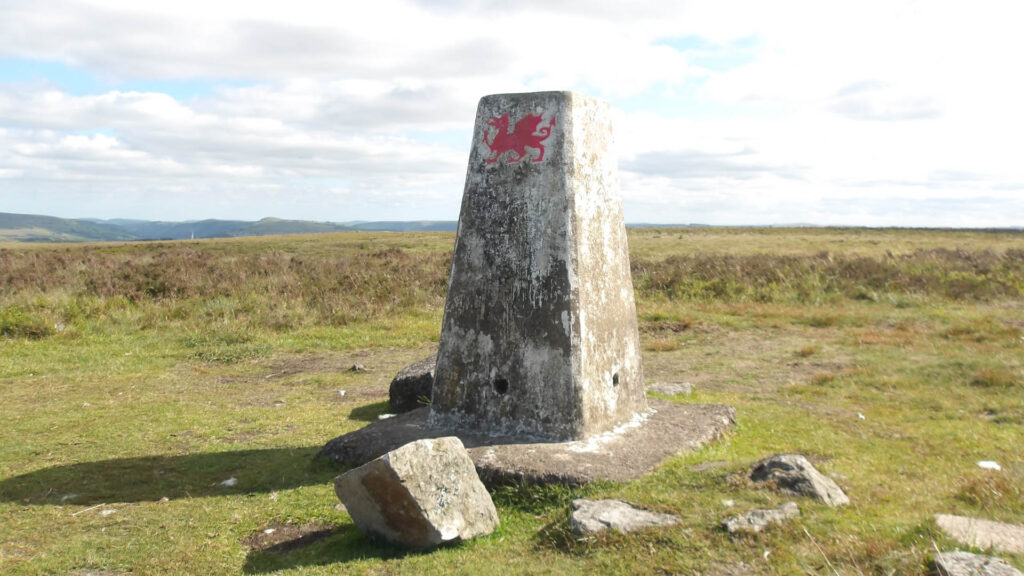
pixel 271 226
pixel 155 230
pixel 32 228
pixel 414 226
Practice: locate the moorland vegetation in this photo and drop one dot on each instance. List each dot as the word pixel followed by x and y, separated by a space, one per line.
pixel 138 379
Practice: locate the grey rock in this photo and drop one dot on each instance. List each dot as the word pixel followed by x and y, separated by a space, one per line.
pixel 411 387
pixel 984 534
pixel 967 564
pixel 593 516
pixel 758 520
pixel 795 474
pixel 671 388
pixel 423 494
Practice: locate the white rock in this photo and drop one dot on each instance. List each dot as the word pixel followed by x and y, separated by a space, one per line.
pixel 758 520
pixel 230 482
pixel 592 516
pixel 989 465
pixel 984 534
pixel 967 564
pixel 421 495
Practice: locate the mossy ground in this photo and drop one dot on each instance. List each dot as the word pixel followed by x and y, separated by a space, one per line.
pixel 137 378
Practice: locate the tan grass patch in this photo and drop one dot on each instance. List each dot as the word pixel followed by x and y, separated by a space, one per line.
pixel 661 345
pixel 995 378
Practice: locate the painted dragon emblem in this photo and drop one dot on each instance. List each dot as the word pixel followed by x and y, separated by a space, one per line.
pixel 528 133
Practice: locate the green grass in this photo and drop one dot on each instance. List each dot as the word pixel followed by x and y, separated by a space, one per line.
pixel 136 378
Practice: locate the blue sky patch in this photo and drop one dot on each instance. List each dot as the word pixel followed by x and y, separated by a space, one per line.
pixel 715 57
pixel 79 81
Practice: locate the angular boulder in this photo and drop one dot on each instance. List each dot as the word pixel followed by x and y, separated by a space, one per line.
pixel 795 474
pixel 758 520
pixel 412 385
pixel 593 516
pixel 967 564
pixel 421 495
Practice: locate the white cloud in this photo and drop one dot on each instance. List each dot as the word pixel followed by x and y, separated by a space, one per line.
pixel 315 110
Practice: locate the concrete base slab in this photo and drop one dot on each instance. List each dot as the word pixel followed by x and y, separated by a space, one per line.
pixel 628 452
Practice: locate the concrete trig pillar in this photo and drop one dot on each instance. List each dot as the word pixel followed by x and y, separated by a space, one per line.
pixel 540 336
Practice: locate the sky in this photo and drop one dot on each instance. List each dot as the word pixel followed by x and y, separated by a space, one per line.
pixel 887 113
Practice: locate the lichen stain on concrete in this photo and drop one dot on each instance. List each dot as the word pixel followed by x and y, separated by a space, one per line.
pixel 540 337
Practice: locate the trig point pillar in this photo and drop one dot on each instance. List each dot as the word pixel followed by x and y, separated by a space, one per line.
pixel 540 331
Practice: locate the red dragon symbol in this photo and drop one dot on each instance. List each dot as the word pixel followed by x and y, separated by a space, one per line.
pixel 526 135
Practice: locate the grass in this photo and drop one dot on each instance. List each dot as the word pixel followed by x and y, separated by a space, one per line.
pixel 137 378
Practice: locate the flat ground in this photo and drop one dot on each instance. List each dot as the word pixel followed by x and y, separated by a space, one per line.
pixel 138 379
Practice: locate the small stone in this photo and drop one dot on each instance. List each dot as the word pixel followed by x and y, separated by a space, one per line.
pixel 671 388
pixel 593 516
pixel 229 482
pixel 421 495
pixel 357 368
pixel 758 520
pixel 107 512
pixel 984 534
pixel 794 473
pixel 967 564
pixel 412 386
pixel 989 465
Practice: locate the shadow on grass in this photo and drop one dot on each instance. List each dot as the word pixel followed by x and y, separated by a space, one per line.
pixel 370 412
pixel 151 478
pixel 342 545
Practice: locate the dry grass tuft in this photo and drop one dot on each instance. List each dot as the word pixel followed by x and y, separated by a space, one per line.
pixel 995 378
pixel 990 491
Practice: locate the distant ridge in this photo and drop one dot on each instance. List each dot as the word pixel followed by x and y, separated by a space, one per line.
pixel 35 228
pixel 414 226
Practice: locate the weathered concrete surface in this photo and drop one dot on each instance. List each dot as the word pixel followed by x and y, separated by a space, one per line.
pixel 793 473
pixel 539 337
pixel 421 495
pixel 593 516
pixel 411 387
pixel 967 564
pixel 671 388
pixel 628 454
pixel 983 534
pixel 758 520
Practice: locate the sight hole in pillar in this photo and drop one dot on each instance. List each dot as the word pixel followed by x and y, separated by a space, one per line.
pixel 501 386
pixel 615 379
